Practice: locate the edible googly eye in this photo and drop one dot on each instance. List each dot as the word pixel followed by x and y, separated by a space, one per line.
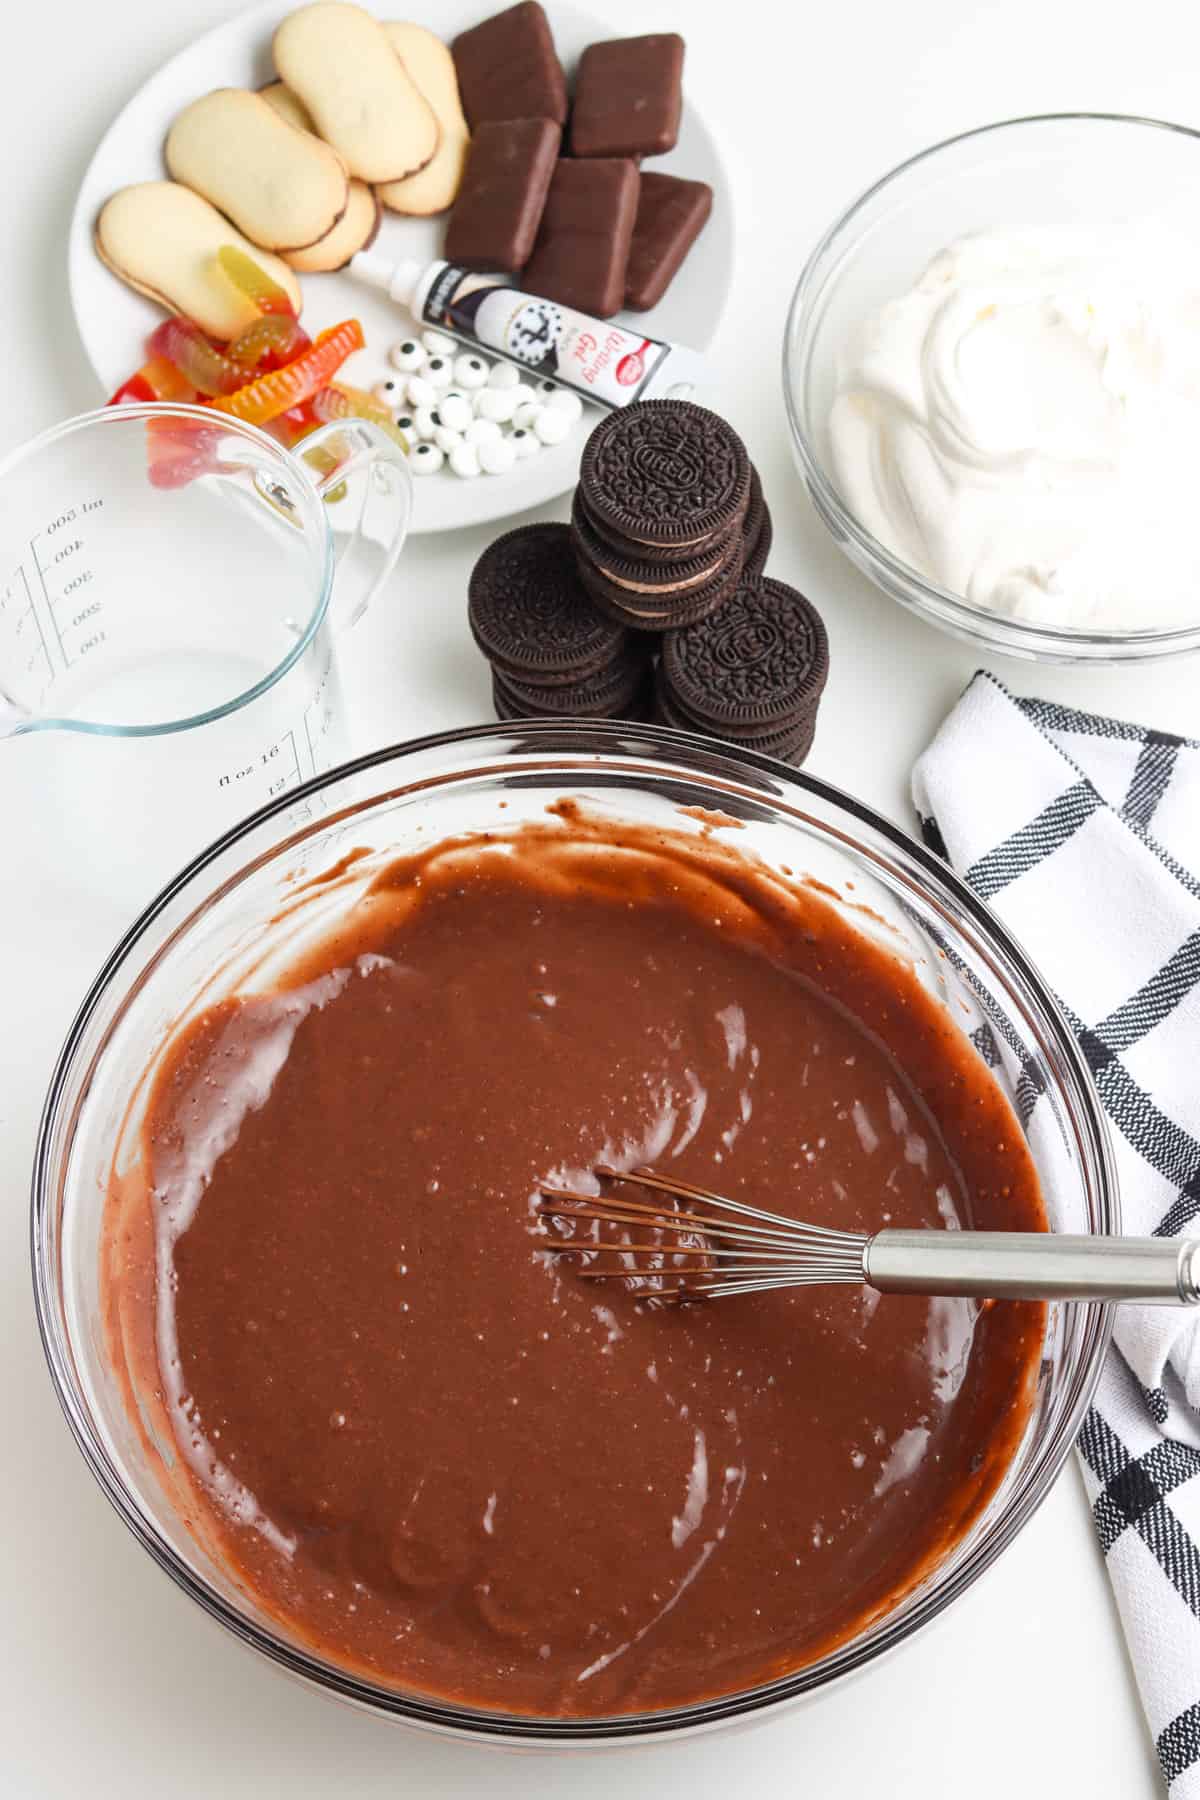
pixel 427 459
pixel 408 357
pixel 470 372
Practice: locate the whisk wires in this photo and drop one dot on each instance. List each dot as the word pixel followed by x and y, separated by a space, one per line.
pixel 708 1246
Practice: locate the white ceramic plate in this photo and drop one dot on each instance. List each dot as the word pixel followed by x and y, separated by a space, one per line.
pixel 114 321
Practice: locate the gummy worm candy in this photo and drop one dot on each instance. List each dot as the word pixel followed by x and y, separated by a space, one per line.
pixel 157 379
pixel 284 388
pixel 275 335
pixel 341 401
pixel 253 282
pixel 187 347
pixel 290 426
pixel 180 451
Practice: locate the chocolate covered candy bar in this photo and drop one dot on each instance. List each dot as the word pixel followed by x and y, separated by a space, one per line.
pixel 628 97
pixel 509 168
pixel 670 217
pixel 582 245
pixel 508 68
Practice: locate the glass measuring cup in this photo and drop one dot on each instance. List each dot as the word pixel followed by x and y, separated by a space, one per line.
pixel 171 587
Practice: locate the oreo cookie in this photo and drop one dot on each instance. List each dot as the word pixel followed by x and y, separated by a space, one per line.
pixel 596 698
pixel 651 557
pixel 757 667
pixel 628 573
pixel 530 614
pixel 757 531
pixel 649 611
pixel 664 474
pixel 791 745
pixel 604 695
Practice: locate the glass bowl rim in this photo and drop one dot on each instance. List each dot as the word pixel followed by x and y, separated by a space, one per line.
pixel 951 611
pixel 1071 1078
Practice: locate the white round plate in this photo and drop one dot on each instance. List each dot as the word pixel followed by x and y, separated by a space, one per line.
pixel 114 321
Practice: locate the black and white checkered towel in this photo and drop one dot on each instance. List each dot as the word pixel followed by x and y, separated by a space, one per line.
pixel 1084 834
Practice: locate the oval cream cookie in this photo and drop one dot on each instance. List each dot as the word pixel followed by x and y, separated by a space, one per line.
pixel 431 66
pixel 283 187
pixel 162 239
pixel 338 61
pixel 279 95
pixel 356 228
pixel 353 232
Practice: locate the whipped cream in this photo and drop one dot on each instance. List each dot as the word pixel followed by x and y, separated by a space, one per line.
pixel 1023 426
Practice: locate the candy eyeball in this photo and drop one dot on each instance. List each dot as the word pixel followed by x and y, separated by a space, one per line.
pixel 390 391
pixel 426 459
pixel 524 443
pixel 496 403
pixel 471 372
pixel 496 456
pixel 552 425
pixel 408 357
pixel 456 411
pixel 464 461
pixel 564 401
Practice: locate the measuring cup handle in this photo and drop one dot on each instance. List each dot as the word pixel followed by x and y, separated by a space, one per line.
pixel 362 475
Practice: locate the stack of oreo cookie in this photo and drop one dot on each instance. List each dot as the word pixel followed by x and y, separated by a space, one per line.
pixel 753 675
pixel 661 512
pixel 553 654
pixel 653 603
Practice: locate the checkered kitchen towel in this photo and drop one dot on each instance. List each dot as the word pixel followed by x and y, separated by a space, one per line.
pixel 1084 834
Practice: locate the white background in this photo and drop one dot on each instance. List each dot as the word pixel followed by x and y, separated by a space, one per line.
pixel 110 1682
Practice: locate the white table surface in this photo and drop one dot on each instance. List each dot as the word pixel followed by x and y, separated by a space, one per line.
pixel 111 1682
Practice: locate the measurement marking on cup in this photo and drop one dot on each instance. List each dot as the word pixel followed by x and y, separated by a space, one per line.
pixel 263 761
pixel 41 573
pixel 295 760
pixel 32 611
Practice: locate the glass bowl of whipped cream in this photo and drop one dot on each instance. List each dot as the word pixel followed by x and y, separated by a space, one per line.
pixel 992 377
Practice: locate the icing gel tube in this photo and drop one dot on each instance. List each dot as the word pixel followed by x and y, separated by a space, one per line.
pixel 602 361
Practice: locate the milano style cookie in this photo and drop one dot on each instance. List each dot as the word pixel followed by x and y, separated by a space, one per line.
pixel 431 66
pixel 284 188
pixel 338 61
pixel 163 239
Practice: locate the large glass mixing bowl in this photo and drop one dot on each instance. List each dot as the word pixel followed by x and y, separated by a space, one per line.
pixel 206 933
pixel 1090 169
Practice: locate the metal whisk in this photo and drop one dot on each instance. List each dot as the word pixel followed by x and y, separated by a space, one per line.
pixel 710 1247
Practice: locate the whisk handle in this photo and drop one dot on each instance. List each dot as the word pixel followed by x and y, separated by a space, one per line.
pixel 1032 1265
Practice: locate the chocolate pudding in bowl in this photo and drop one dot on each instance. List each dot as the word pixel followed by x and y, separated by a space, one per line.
pixel 328 1357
